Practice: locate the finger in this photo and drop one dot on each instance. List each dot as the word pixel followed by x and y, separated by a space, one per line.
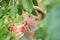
pixel 20 36
pixel 20 33
pixel 16 29
pixel 30 27
pixel 27 29
pixel 17 34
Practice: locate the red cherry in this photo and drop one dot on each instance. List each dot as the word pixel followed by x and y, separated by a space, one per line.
pixel 25 23
pixel 9 19
pixel 21 29
pixel 10 28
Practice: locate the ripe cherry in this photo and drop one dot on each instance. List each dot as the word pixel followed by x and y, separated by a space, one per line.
pixel 9 19
pixel 10 28
pixel 25 23
pixel 21 29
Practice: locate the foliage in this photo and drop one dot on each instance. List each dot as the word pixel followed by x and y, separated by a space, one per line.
pixel 48 28
pixel 13 9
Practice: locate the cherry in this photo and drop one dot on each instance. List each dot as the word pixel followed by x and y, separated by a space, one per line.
pixel 9 19
pixel 10 28
pixel 25 23
pixel 21 29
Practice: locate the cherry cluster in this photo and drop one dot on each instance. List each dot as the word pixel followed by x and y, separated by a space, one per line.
pixel 21 28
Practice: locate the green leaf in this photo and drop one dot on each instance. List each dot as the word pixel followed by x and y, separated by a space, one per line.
pixel 28 5
pixel 36 34
pixel 13 11
pixel 1 13
pixel 20 7
pixel 10 36
pixel 35 2
pixel 40 33
pixel 3 37
pixel 34 13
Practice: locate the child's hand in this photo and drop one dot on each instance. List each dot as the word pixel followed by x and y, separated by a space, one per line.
pixel 18 32
pixel 29 31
